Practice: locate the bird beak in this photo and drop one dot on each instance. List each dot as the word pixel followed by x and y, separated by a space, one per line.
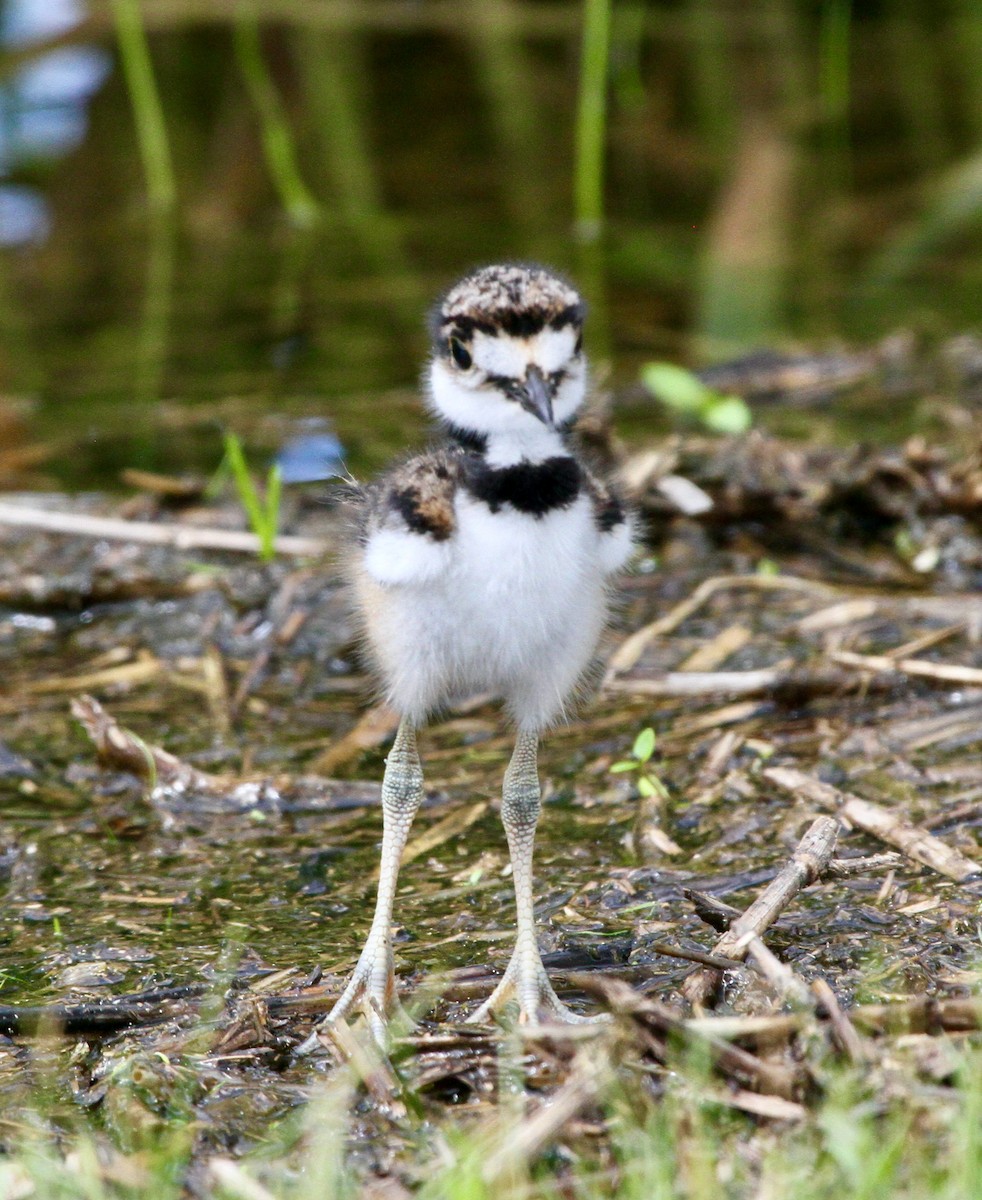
pixel 536 395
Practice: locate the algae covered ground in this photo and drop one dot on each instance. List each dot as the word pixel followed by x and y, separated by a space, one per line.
pixel 190 781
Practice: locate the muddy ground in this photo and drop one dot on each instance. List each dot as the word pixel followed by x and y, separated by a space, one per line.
pixel 189 767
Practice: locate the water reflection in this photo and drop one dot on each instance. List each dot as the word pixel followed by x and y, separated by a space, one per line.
pixel 771 176
pixel 24 215
pixel 43 107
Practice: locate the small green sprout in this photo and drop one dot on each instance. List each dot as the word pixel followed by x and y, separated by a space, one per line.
pixel 684 392
pixel 647 782
pixel 263 512
pixel 920 558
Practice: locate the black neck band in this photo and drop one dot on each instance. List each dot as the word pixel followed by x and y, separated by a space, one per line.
pixel 533 488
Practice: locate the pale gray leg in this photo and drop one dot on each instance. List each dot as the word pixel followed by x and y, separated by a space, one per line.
pixel 372 985
pixel 525 977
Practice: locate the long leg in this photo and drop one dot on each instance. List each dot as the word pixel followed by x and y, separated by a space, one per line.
pixel 525 976
pixel 372 984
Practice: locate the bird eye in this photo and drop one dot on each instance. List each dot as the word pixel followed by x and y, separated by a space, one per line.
pixel 460 354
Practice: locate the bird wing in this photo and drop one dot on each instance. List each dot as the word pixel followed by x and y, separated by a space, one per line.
pixel 410 519
pixel 608 507
pixel 614 522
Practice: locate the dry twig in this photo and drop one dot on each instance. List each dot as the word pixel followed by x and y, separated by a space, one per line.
pixel 807 863
pixel 103 1016
pixel 846 1035
pixel 181 537
pixel 767 681
pixel 374 727
pixel 630 650
pixel 656 1025
pixel 881 822
pixel 922 668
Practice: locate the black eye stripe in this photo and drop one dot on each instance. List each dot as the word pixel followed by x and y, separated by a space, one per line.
pixel 512 389
pixel 505 384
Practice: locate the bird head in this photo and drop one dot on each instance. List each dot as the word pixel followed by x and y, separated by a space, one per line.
pixel 508 352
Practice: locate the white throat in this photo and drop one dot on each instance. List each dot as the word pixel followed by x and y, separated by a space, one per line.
pixel 526 445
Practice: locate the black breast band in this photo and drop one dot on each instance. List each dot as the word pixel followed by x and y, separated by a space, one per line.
pixel 533 488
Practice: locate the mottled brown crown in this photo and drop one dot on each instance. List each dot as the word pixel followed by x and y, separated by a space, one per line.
pixel 514 298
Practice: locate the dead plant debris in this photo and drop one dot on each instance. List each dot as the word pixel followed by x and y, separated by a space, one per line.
pixel 809 651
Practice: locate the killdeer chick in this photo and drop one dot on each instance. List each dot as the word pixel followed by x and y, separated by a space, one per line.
pixel 483 566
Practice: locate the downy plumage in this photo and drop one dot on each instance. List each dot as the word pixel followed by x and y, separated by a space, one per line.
pixel 484 566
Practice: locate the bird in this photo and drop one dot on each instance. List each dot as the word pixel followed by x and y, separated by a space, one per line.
pixel 484 565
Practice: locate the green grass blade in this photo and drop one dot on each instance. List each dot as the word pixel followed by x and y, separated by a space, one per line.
pixel 834 83
pixel 277 140
pixel 591 121
pixel 274 491
pixel 244 487
pixel 145 99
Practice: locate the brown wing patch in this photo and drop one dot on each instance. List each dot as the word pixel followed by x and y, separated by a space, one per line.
pixel 421 495
pixel 608 508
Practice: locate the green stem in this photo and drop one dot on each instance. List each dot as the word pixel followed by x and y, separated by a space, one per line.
pixel 281 158
pixel 145 99
pixel 263 515
pixel 833 70
pixel 591 121
pixel 274 495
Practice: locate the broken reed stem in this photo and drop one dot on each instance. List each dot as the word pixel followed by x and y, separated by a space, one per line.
pixel 845 868
pixel 881 822
pixel 782 978
pixel 881 674
pixel 765 682
pixel 842 1028
pixel 924 1014
pixel 807 863
pixel 696 956
pixel 921 668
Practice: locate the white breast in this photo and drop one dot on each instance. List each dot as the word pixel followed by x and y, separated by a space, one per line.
pixel 517 611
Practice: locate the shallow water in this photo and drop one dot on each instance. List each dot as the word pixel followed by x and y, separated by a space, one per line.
pixel 745 207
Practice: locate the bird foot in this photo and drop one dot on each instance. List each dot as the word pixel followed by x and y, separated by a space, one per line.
pixel 525 979
pixel 371 988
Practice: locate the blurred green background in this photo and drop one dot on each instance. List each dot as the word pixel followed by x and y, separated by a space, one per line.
pixel 220 214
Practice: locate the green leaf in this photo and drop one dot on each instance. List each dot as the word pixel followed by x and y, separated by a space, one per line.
pixel 624 765
pixel 676 387
pixel 644 745
pixel 646 787
pixel 728 414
